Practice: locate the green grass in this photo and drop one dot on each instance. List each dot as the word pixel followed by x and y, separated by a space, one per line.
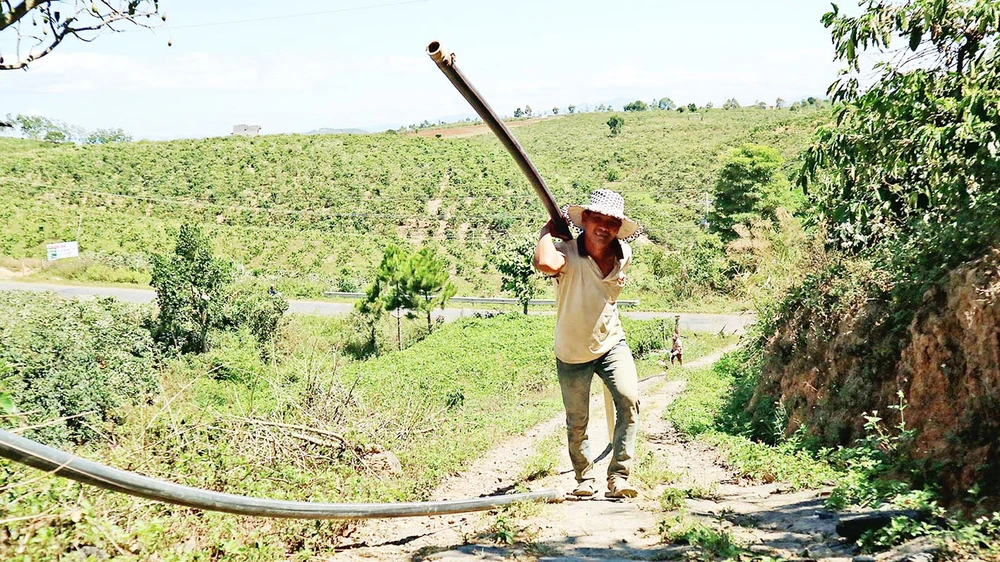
pixel 230 421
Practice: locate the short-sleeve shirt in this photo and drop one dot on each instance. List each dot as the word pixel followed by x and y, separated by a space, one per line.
pixel 587 324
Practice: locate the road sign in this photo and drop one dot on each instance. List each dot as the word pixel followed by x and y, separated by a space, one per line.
pixel 62 250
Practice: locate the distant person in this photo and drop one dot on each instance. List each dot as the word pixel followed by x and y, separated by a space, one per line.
pixel 273 292
pixel 589 339
pixel 677 349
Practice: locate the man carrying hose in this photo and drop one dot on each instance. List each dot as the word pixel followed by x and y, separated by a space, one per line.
pixel 589 339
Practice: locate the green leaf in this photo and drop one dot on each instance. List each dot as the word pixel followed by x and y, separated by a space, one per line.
pixel 7 404
pixel 916 32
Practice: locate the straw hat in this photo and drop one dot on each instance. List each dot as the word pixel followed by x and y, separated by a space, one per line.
pixel 605 202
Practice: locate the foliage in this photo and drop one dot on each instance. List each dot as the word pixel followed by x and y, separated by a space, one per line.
pixel 104 136
pixel 715 543
pixel 918 147
pixel 410 282
pixel 666 104
pixel 203 430
pixel 311 213
pixel 246 306
pixel 38 127
pixel 52 21
pixel 615 123
pixel 750 186
pixel 71 366
pixel 190 285
pixel 513 259
pixel 427 278
pixel 768 257
pixel 636 105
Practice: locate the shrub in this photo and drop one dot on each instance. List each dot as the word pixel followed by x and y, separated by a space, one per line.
pixel 189 286
pixel 249 307
pixel 67 358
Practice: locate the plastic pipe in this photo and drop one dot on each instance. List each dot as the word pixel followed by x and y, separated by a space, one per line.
pixel 43 457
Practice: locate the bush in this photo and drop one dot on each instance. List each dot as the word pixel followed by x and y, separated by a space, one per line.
pixel 68 358
pixel 189 286
pixel 249 307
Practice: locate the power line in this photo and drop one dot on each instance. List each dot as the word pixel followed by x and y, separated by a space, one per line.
pixel 291 16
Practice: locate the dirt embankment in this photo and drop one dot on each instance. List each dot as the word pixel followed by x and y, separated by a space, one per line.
pixel 948 373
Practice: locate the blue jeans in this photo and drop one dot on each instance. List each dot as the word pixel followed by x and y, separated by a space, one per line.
pixel 617 369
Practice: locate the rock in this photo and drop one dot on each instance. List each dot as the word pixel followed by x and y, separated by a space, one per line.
pixel 818 551
pixel 863 558
pixel 851 527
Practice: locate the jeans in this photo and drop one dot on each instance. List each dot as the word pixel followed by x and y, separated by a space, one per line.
pixel 617 369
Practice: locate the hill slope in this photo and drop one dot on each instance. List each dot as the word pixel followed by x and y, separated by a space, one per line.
pixel 315 211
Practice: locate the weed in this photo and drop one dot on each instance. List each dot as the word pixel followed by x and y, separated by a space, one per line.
pixel 544 459
pixel 672 498
pixel 682 530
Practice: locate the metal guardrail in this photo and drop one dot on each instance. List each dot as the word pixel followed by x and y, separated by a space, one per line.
pixel 477 300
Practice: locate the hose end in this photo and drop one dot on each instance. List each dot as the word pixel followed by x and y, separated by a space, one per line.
pixel 436 52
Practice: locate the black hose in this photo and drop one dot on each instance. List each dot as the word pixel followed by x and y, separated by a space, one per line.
pixel 446 62
pixel 43 457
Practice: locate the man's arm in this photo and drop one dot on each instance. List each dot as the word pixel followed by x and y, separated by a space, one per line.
pixel 548 260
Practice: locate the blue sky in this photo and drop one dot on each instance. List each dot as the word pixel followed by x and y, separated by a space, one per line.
pixel 361 63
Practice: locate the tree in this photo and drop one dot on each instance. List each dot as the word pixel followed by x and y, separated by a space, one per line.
pixel 637 105
pixel 615 123
pixel 392 289
pixel 427 278
pixel 189 284
pixel 913 152
pixel 692 107
pixel 571 109
pixel 527 111
pixel 38 127
pixel 406 282
pixel 709 105
pixel 731 103
pixel 518 113
pixel 666 104
pixel 55 137
pixel 513 259
pixel 555 111
pixel 106 136
pixel 36 27
pixel 600 108
pixel 749 185
pixel 779 103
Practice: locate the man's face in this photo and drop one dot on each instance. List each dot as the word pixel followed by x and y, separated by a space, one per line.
pixel 602 229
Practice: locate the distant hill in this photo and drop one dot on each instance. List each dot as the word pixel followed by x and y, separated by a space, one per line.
pixel 313 212
pixel 328 131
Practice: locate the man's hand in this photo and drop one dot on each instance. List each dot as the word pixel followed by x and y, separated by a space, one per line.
pixel 549 228
pixel 548 260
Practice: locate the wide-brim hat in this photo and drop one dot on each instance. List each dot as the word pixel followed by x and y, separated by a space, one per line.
pixel 605 202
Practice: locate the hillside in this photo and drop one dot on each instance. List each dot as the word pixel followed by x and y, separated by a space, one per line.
pixel 313 212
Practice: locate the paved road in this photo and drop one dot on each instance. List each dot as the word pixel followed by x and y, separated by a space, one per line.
pixel 694 322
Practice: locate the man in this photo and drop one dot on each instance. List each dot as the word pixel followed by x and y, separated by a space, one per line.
pixel 677 349
pixel 589 339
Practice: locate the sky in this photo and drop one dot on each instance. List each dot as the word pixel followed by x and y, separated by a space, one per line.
pixel 296 67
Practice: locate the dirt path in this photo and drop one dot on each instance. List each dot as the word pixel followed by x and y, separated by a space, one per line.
pixel 762 516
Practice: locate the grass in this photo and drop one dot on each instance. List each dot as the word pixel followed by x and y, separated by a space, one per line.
pixel 227 420
pixel 711 542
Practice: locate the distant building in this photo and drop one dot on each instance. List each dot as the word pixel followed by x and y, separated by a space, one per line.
pixel 246 130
